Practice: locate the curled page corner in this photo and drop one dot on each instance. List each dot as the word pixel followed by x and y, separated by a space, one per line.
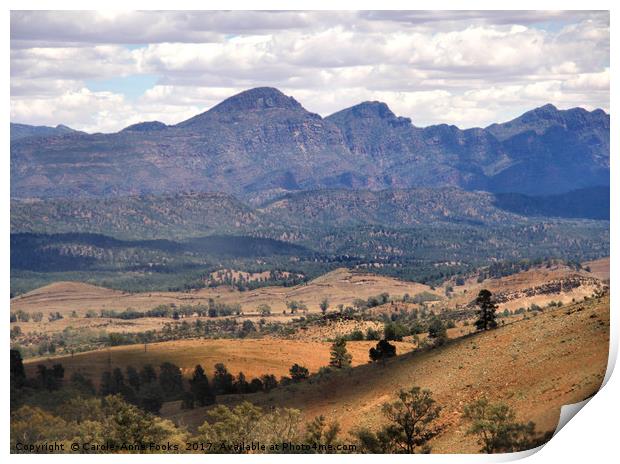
pixel 567 412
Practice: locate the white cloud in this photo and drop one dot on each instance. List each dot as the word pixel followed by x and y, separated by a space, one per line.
pixel 589 81
pixel 465 68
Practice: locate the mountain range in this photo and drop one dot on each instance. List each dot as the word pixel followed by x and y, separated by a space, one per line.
pixel 260 145
pixel 20 131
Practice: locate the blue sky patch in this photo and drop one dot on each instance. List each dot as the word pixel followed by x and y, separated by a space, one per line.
pixel 130 86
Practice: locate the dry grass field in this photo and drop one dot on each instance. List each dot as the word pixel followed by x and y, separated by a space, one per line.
pixel 253 357
pixel 535 365
pixel 599 268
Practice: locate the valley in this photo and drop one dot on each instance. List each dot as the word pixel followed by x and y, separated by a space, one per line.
pixel 535 361
pixel 83 306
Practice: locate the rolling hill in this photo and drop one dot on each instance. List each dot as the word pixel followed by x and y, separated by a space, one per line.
pixel 136 217
pixel 340 286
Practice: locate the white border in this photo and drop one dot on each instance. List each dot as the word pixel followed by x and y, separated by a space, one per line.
pixel 590 437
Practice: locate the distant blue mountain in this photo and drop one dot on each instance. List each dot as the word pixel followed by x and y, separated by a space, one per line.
pixel 145 127
pixel 586 203
pixel 261 144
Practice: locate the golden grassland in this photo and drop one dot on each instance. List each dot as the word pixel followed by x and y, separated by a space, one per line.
pixel 341 286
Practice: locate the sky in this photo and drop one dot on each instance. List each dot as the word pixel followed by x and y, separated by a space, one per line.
pixel 100 71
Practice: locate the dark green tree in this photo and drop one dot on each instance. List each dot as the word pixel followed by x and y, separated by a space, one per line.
pixel 247 328
pixel 151 397
pixel 148 374
pixel 18 374
pixel 412 419
pixel 412 423
pixel 171 380
pixel 486 313
pixel 105 384
pixel 320 435
pixel 223 381
pixel 372 334
pixel 200 388
pixel 437 331
pixel 256 385
pixel 497 430
pixel 50 379
pixel 382 351
pixel 118 381
pixel 188 401
pixel 324 305
pixel 133 378
pixel 82 383
pixel 269 382
pixel 394 331
pixel 241 384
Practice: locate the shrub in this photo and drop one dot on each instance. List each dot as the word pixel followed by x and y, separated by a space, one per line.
pixel 298 373
pixel 496 428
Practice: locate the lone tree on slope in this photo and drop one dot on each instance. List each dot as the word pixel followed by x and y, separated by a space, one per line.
pixel 324 305
pixel 340 357
pixel 382 351
pixel 497 429
pixel 486 313
pixel 412 423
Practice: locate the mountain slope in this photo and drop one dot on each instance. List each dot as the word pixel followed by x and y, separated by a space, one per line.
pixel 587 203
pixel 198 214
pixel 409 156
pixel 269 142
pixel 20 131
pixel 136 217
pixel 554 151
pixel 395 208
pixel 517 364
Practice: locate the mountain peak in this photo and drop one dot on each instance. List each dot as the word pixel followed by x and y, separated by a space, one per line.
pixel 373 109
pixel 546 108
pixel 147 126
pixel 370 110
pixel 259 98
